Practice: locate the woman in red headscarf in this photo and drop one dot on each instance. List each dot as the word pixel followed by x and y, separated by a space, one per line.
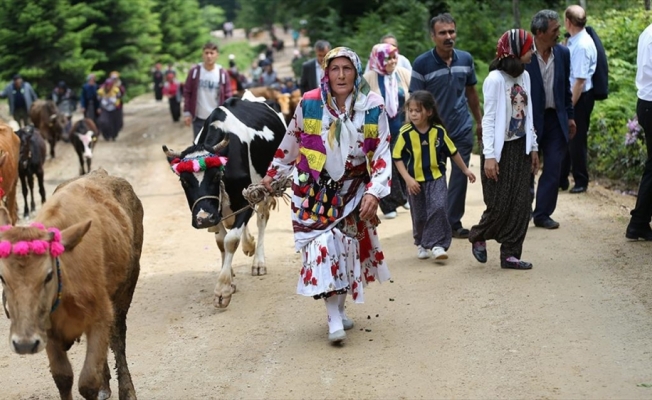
pixel 510 153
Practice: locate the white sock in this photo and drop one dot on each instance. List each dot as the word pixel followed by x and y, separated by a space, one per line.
pixel 334 317
pixel 341 299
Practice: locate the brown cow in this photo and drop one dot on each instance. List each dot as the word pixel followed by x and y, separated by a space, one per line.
pixel 9 153
pixel 53 298
pixel 48 120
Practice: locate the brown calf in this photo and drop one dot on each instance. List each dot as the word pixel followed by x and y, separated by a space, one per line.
pixel 9 153
pixel 48 120
pixel 87 289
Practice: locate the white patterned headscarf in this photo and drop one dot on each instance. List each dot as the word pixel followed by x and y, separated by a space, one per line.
pixel 342 132
pixel 380 53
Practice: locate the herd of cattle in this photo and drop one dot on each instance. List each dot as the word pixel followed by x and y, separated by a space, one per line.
pixel 23 151
pixel 57 287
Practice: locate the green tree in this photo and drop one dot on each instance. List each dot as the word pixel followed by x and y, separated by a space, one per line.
pixel 181 35
pixel 126 37
pixel 43 41
pixel 214 17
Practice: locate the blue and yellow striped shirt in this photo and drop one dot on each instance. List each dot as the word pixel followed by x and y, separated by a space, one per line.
pixel 424 154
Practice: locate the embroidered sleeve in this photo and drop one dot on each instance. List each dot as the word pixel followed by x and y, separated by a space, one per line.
pixel 381 162
pixel 288 151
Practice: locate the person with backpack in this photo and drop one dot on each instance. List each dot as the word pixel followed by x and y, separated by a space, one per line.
pixel 207 87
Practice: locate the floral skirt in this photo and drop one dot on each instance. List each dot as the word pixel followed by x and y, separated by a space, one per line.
pixel 343 259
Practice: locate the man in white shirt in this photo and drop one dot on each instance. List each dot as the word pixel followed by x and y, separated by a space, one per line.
pixel 584 58
pixel 402 60
pixel 206 88
pixel 639 224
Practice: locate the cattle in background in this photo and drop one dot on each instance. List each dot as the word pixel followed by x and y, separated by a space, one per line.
pixel 287 102
pixel 233 150
pixel 55 294
pixel 48 120
pixel 30 163
pixel 83 136
pixel 9 151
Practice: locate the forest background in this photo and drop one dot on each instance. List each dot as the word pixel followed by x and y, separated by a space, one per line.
pixel 51 40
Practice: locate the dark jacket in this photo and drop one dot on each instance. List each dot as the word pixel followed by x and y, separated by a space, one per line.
pixel 309 76
pixel 600 78
pixel 88 94
pixel 561 90
pixel 192 83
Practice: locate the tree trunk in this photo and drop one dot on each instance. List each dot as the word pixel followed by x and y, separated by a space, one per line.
pixel 583 4
pixel 647 5
pixel 517 14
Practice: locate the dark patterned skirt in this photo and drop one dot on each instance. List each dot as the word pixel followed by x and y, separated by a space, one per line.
pixel 508 201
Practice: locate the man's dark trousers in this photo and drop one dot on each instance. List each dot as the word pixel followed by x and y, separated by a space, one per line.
pixel 458 182
pixel 642 213
pixel 578 158
pixel 553 146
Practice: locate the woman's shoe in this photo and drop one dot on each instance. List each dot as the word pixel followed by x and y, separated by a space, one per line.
pixel 337 336
pixel 422 253
pixel 479 250
pixel 515 263
pixel 406 205
pixel 347 323
pixel 391 215
pixel 439 253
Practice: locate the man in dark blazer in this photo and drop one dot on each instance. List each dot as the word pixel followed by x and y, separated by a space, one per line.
pixel 311 71
pixel 552 108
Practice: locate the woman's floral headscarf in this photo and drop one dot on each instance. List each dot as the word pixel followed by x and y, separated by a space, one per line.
pixel 359 85
pixel 380 53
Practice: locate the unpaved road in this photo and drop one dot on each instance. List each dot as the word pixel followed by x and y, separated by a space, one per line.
pixel 576 326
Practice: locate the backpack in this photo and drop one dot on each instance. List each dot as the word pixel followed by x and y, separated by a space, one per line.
pixel 600 78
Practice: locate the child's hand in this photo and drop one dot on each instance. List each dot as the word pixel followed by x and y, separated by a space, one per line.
pixel 470 175
pixel 413 186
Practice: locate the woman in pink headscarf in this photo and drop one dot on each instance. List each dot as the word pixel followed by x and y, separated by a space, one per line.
pixel 510 152
pixel 392 83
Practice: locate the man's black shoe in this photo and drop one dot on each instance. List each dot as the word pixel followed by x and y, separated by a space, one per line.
pixel 547 223
pixel 578 189
pixel 461 233
pixel 636 234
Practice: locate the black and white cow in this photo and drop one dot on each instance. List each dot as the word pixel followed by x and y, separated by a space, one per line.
pixel 233 150
pixel 83 136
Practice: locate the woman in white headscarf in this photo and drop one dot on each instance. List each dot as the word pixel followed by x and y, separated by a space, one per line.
pixel 337 151
pixel 393 83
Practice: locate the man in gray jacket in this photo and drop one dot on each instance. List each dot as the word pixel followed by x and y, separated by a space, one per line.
pixel 21 95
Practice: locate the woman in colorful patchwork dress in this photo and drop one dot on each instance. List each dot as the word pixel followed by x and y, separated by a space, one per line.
pixel 393 83
pixel 337 151
pixel 510 153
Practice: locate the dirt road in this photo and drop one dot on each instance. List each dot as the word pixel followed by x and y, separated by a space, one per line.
pixel 576 326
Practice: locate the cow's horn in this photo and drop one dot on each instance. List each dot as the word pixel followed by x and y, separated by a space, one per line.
pixel 221 145
pixel 170 153
pixel 53 117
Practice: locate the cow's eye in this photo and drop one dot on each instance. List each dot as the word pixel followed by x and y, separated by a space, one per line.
pixel 48 278
pixel 183 182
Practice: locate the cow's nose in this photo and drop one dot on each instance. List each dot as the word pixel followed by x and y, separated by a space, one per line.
pixel 26 346
pixel 208 219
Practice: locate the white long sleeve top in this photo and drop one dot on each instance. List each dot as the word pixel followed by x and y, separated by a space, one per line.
pixel 498 113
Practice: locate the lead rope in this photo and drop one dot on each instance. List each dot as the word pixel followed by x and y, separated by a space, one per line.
pixel 257 193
